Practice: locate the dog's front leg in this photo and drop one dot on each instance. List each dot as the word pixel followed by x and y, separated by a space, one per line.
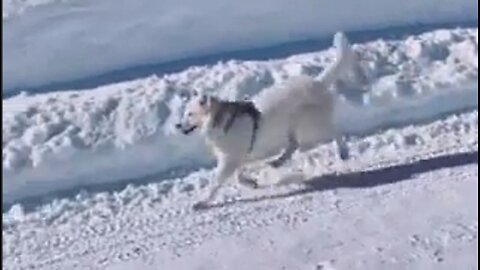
pixel 225 169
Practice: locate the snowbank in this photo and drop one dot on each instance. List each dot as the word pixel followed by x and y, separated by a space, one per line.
pixel 117 132
pixel 47 41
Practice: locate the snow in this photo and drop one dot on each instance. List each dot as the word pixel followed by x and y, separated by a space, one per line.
pixel 399 203
pixel 62 140
pixel 342 237
pixel 52 41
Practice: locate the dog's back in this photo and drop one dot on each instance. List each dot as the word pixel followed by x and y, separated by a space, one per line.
pixel 296 92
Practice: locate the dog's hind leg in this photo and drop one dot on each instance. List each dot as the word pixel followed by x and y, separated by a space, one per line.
pixel 287 152
pixel 225 170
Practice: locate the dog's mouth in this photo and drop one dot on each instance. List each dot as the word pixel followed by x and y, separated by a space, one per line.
pixel 186 131
pixel 189 130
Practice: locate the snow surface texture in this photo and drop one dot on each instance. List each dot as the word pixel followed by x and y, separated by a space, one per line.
pixel 46 41
pixel 124 131
pixel 408 199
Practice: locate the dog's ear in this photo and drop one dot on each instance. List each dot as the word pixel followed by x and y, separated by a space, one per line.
pixel 206 101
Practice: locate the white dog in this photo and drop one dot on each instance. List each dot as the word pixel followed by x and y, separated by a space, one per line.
pixel 298 115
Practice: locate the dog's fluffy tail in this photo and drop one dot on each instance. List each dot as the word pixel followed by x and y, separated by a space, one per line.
pixel 344 58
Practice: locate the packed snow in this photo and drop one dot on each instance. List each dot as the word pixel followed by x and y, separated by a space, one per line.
pixel 48 41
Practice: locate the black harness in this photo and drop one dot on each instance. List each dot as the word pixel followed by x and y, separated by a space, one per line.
pixel 236 109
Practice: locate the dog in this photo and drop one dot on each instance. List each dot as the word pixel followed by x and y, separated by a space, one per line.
pixel 298 115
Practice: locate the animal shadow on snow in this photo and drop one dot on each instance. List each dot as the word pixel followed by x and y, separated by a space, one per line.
pixel 368 179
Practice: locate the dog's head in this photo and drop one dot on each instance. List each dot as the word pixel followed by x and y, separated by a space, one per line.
pixel 196 113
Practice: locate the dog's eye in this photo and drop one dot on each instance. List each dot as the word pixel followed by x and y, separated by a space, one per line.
pixel 189 114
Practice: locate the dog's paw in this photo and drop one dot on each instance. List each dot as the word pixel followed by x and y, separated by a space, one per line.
pixel 200 206
pixel 248 182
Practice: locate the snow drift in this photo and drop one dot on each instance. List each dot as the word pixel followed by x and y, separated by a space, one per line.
pixel 47 41
pixel 116 132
